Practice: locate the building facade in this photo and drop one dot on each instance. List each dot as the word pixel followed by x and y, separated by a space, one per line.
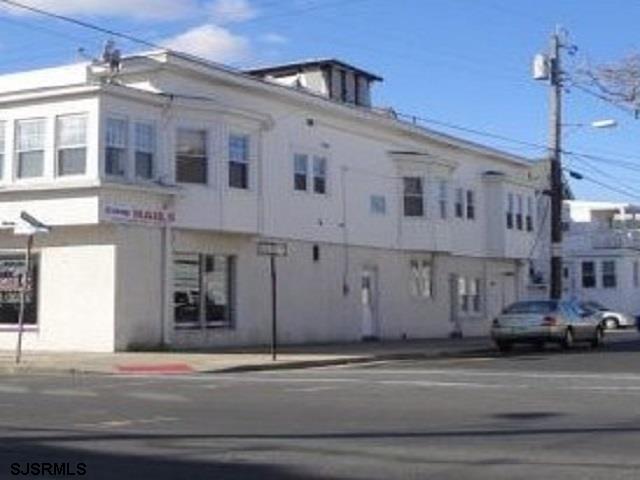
pixel 602 254
pixel 159 179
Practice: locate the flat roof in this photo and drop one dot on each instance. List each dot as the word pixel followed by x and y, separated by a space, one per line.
pixel 314 62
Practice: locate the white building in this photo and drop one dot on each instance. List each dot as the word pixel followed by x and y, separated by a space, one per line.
pixel 159 179
pixel 602 253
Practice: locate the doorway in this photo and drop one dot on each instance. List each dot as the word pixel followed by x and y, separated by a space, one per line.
pixel 369 300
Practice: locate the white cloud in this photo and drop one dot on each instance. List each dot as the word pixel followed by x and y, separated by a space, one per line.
pixel 231 11
pixel 140 9
pixel 274 38
pixel 212 43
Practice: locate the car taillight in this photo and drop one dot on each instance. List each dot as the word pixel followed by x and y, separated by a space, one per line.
pixel 549 321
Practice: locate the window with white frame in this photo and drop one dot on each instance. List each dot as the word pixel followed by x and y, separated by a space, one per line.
pixel 191 156
pixel 529 219
pixel 519 213
pixel 421 278
pixel 378 204
pixel 2 147
pixel 443 198
pixel 471 205
pixel 510 209
pixel 459 204
pixel 588 274
pixel 609 279
pixel 413 197
pixel 463 296
pixel 30 140
pixel 71 144
pixel 474 294
pixel 145 149
pixel 300 171
pixel 320 175
pixel 203 290
pixel 116 146
pixel 239 161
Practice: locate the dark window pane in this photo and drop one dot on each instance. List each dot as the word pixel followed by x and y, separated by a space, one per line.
pixel 12 271
pixel 191 169
pixel 413 207
pixel 238 175
pixel 300 181
pixel 115 161
pixel 186 289
pixel 319 185
pixel 144 165
pixel 72 161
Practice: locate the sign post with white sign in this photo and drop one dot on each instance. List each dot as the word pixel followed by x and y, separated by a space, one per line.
pixel 273 250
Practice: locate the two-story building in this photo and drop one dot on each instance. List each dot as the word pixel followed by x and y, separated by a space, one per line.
pixel 602 253
pixel 158 179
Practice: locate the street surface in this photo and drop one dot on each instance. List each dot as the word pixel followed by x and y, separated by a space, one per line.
pixel 529 415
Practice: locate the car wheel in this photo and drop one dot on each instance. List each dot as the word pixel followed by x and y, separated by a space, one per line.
pixel 610 323
pixel 504 347
pixel 598 339
pixel 568 340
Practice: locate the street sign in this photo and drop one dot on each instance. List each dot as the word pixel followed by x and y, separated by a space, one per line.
pixel 272 249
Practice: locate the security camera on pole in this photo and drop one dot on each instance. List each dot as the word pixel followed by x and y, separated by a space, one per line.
pixel 548 67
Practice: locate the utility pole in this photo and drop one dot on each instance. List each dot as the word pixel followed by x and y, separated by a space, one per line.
pixel 555 161
pixel 548 67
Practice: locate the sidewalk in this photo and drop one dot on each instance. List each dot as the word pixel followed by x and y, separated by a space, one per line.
pixel 238 360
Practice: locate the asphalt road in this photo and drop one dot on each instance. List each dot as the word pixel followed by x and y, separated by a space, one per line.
pixel 533 415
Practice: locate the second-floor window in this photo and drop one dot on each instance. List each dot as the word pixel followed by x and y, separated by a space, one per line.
pixel 443 198
pixel 459 206
pixel 145 148
pixel 320 175
pixel 609 279
pixel 116 147
pixel 71 144
pixel 471 205
pixel 588 274
pixel 529 218
pixel 191 156
pixel 510 211
pixel 2 147
pixel 30 138
pixel 239 161
pixel 519 213
pixel 300 172
pixel 413 197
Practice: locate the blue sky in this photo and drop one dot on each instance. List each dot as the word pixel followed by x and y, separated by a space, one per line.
pixel 465 62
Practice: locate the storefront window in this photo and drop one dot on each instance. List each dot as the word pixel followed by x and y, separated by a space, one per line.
pixel 12 272
pixel 203 290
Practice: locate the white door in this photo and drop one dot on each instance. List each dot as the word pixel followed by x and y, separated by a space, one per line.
pixel 369 298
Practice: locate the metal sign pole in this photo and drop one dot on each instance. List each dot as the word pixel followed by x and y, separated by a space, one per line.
pixel 26 284
pixel 274 309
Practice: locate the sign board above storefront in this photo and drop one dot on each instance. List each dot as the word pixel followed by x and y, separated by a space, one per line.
pixel 272 249
pixel 140 215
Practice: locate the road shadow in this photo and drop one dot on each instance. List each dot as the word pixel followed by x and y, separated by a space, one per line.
pixel 19 454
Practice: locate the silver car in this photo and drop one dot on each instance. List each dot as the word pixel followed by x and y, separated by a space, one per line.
pixel 541 321
pixel 610 319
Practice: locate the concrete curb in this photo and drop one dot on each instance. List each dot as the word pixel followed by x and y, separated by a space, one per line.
pixel 28 369
pixel 303 364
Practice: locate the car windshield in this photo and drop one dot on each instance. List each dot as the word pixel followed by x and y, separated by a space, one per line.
pixel 531 307
pixel 595 306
